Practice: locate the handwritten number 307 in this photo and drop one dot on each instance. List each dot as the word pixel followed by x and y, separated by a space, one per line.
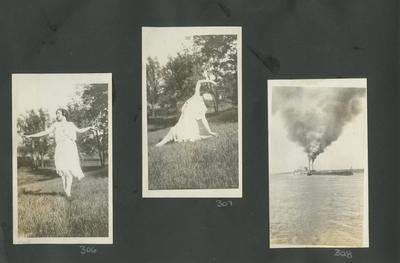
pixel 85 250
pixel 220 203
pixel 341 253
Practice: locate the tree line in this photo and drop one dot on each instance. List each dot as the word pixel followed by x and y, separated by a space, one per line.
pixel 170 85
pixel 90 109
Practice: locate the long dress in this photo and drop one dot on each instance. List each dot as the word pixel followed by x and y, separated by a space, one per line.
pixel 187 128
pixel 66 154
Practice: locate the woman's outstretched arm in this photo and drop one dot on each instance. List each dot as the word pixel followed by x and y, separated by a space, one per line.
pixel 206 81
pixel 85 129
pixel 205 123
pixel 39 134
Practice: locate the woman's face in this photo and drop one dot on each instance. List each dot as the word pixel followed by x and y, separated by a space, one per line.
pixel 59 115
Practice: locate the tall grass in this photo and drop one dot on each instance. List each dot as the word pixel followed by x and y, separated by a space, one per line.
pixel 44 211
pixel 211 163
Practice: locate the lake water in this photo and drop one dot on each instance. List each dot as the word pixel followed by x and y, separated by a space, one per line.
pixel 316 210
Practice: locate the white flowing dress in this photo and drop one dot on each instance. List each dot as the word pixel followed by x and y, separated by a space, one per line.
pixel 187 128
pixel 66 155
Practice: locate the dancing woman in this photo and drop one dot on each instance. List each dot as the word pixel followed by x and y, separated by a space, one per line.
pixel 66 154
pixel 187 128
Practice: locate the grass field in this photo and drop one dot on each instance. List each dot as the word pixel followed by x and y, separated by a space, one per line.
pixel 211 163
pixel 44 211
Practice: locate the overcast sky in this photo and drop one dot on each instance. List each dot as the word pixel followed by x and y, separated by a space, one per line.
pixel 162 42
pixel 349 150
pixel 48 91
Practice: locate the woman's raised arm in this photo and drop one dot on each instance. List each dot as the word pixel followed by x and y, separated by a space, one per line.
pixel 206 81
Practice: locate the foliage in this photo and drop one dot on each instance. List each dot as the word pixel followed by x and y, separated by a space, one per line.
pixel 154 82
pixel 91 110
pixel 30 123
pixel 180 76
pixel 214 54
pixel 218 54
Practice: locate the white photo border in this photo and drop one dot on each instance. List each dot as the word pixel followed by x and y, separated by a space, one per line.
pixel 79 78
pixel 191 193
pixel 326 83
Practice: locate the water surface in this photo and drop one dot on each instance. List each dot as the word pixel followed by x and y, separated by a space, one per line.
pixel 317 210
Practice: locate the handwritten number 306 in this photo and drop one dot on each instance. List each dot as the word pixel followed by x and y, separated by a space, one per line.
pixel 85 250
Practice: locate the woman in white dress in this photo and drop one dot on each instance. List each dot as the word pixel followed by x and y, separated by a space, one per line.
pixel 187 128
pixel 66 154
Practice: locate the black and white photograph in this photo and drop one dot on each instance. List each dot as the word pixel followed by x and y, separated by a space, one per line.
pixel 191 92
pixel 62 158
pixel 318 163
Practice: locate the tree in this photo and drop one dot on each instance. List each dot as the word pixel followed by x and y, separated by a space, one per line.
pixel 180 75
pixel 92 109
pixel 32 123
pixel 218 54
pixel 153 85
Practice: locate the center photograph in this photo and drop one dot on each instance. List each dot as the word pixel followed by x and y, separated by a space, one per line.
pixel 192 112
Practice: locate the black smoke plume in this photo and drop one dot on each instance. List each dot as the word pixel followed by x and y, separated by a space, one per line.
pixel 315 117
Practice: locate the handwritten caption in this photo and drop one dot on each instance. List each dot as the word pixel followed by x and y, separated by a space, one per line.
pixel 87 250
pixel 221 203
pixel 342 253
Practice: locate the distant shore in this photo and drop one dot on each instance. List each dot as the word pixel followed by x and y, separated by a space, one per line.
pixel 320 172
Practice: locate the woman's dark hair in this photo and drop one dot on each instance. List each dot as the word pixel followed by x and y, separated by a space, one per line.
pixel 64 113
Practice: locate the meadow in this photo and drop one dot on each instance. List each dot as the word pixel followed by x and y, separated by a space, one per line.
pixel 210 163
pixel 44 211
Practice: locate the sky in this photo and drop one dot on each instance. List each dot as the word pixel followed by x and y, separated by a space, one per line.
pixel 162 42
pixel 349 150
pixel 48 91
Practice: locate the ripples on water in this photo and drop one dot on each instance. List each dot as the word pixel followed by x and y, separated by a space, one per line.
pixel 316 210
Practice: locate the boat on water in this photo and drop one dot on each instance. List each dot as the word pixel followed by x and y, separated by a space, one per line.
pixel 322 172
pixel 303 172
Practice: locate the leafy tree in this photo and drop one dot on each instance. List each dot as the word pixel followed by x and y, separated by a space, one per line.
pixel 34 122
pixel 92 109
pixel 218 55
pixel 180 75
pixel 154 82
pixel 214 54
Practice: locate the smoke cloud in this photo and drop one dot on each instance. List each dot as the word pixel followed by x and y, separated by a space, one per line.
pixel 315 117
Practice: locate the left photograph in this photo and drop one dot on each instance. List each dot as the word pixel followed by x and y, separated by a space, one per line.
pixel 62 158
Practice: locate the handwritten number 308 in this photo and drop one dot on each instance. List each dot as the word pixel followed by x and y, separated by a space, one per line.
pixel 341 253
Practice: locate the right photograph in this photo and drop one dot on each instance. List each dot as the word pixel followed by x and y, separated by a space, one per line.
pixel 318 163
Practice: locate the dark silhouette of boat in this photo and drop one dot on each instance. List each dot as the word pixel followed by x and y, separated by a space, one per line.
pixel 304 171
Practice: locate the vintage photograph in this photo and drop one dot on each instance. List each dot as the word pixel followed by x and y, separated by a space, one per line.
pixel 62 158
pixel 192 119
pixel 318 163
